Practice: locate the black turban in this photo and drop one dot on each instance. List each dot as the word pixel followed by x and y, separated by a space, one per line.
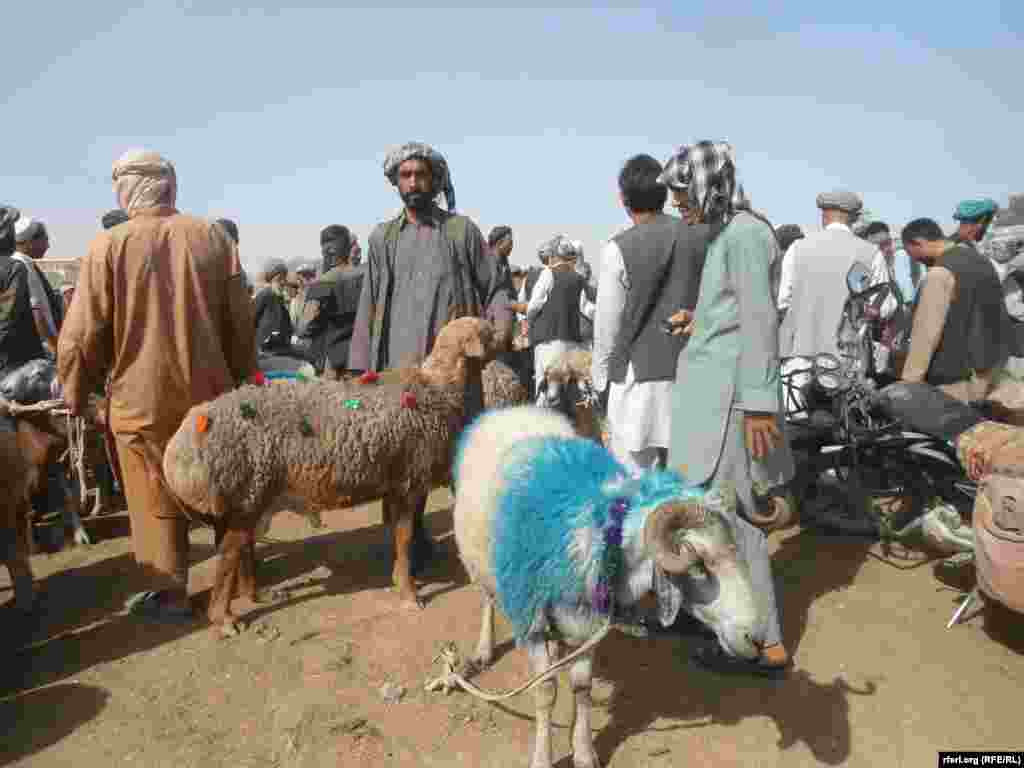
pixel 230 227
pixel 335 244
pixel 498 234
pixel 113 218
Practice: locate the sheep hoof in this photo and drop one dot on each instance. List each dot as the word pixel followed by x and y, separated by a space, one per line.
pixel 229 628
pixel 585 761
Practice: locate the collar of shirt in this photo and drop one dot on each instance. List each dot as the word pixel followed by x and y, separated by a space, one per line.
pixel 838 225
pixel 431 218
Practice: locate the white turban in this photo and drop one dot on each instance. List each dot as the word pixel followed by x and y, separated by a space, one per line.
pixel 144 179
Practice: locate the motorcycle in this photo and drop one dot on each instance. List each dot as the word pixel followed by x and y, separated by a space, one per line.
pixel 859 468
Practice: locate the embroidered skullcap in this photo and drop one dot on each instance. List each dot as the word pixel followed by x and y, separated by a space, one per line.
pixel 230 227
pixel 498 234
pixel 972 210
pixel 840 200
pixel 27 229
pixel 112 218
pixel 442 181
pixel 708 170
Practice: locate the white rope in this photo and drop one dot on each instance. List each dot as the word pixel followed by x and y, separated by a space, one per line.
pixel 451 679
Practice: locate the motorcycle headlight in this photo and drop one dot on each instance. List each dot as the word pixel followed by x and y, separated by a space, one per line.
pixel 829 382
pixel 826 363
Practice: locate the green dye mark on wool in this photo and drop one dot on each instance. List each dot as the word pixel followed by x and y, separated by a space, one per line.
pixel 248 411
pixel 306 428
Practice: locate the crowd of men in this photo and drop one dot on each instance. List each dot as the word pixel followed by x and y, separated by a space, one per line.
pixel 687 322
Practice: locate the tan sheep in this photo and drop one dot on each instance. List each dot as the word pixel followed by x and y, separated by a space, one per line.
pixel 322 445
pixel 566 387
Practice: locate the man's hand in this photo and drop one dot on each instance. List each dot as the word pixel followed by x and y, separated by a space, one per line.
pixel 761 431
pixel 681 323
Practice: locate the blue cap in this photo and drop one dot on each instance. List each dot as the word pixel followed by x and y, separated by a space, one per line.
pixel 972 210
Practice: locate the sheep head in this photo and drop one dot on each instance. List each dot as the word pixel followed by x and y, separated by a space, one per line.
pixel 697 563
pixel 466 338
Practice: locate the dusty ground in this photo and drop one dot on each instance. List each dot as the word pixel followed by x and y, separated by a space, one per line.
pixel 879 681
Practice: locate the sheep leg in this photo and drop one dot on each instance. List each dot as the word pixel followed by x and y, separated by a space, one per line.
pixel 14 544
pixel 225 583
pixel 400 512
pixel 544 697
pixel 581 675
pixel 72 511
pixel 247 568
pixel 485 646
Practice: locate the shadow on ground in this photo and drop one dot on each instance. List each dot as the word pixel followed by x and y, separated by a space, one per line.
pixel 80 620
pixel 36 720
pixel 654 679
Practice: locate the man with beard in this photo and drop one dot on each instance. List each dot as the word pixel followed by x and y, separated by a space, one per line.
pixel 332 303
pixel 726 427
pixel 162 307
pixel 33 241
pixel 424 267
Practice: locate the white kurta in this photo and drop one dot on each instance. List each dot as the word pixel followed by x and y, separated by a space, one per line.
pixel 639 413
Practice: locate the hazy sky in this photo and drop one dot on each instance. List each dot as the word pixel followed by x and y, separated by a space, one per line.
pixel 280 119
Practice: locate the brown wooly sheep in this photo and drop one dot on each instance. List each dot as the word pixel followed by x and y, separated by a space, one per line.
pixel 564 386
pixel 322 445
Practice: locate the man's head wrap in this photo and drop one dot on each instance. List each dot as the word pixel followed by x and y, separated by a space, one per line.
pixel 559 246
pixel 788 234
pixel 974 210
pixel 112 218
pixel 441 178
pixel 498 234
pixel 305 269
pixel 273 268
pixel 708 170
pixel 333 232
pixel 230 227
pixel 28 229
pixel 840 200
pixel 144 179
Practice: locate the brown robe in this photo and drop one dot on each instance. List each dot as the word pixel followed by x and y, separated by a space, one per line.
pixel 162 306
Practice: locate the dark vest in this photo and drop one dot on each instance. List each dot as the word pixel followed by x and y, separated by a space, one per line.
pixel 559 318
pixel 19 341
pixel 976 333
pixel 331 330
pixel 664 259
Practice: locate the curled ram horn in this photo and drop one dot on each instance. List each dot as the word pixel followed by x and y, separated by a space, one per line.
pixel 660 539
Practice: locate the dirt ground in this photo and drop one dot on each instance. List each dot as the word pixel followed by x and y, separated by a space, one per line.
pixel 879 680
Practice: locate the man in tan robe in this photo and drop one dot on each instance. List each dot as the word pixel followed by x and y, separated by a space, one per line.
pixel 161 304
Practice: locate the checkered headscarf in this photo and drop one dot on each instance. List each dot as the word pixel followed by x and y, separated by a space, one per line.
pixel 442 180
pixel 708 170
pixel 559 246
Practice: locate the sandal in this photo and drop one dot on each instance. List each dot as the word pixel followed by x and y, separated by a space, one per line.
pixel 149 605
pixel 713 657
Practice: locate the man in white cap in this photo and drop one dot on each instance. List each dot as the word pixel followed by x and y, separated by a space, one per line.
pixel 32 242
pixel 812 287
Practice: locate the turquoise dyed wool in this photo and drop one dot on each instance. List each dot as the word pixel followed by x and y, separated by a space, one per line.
pixel 550 489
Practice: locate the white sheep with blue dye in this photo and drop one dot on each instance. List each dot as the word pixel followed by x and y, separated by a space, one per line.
pixel 536 513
